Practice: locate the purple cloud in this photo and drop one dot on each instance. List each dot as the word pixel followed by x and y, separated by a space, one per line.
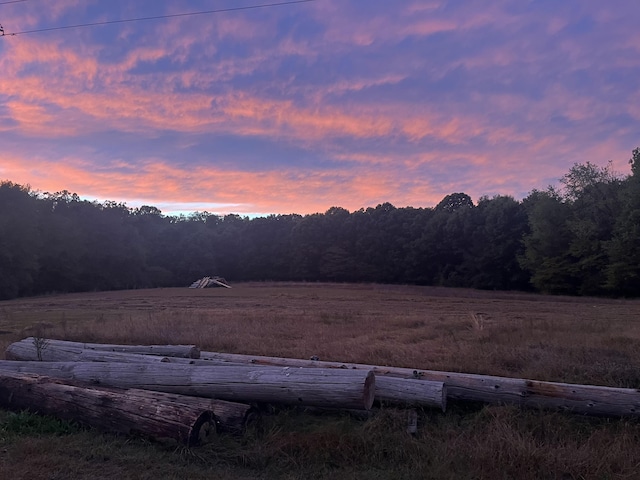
pixel 327 103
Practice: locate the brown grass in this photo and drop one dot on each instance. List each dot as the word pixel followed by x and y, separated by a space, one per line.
pixel 581 340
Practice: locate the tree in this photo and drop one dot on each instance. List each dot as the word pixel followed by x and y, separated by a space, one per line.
pixel 585 176
pixel 19 240
pixel 64 245
pixel 381 239
pixel 454 201
pixel 438 254
pixel 571 230
pixel 546 255
pixel 623 269
pixel 592 194
pixel 500 224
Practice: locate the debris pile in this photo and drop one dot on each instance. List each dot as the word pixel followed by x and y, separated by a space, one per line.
pixel 207 282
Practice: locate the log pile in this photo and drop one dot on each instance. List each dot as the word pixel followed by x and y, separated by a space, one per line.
pixel 182 393
pixel 466 387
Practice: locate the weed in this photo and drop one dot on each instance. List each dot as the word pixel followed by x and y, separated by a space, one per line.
pixel 40 344
pixel 477 321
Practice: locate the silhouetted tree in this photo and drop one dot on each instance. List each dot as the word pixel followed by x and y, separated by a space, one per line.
pixel 19 240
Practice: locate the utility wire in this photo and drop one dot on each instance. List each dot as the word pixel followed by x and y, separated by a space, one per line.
pixel 174 15
pixel 13 1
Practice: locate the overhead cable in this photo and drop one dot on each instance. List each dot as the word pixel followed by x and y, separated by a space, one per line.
pixel 158 17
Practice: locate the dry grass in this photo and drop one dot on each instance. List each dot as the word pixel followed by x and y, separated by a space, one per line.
pixel 563 339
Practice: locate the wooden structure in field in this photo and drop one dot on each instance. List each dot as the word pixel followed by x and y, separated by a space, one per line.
pixel 207 282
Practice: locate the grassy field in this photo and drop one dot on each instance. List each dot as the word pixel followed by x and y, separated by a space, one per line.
pixel 581 340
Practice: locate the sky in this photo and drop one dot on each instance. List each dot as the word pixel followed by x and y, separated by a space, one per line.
pixel 301 107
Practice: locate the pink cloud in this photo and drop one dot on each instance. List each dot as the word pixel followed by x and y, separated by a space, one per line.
pixel 480 140
pixel 269 191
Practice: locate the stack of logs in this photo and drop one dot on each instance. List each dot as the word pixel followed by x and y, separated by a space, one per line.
pixel 176 391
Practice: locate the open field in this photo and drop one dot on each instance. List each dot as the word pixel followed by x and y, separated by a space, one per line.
pixel 580 340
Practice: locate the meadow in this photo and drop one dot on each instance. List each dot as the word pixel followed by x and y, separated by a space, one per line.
pixel 555 338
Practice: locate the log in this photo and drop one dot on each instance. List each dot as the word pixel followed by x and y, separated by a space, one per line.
pixel 27 351
pixel 45 345
pixel 246 383
pixel 188 420
pixel 391 390
pixel 573 398
pixel 410 392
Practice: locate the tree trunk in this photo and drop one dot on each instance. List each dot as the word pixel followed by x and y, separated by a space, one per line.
pixel 581 399
pixel 246 383
pixel 157 415
pixel 41 345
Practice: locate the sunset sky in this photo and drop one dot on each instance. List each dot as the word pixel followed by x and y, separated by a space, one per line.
pixel 296 108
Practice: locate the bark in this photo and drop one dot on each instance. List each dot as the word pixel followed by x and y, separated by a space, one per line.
pixel 573 398
pixel 247 383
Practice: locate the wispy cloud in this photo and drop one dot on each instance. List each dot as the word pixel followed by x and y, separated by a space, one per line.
pixel 316 105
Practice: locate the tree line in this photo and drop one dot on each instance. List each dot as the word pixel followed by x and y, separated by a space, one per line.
pixel 581 237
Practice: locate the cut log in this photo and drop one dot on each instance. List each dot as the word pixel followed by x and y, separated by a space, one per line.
pixel 410 392
pixel 247 383
pixel 27 351
pixel 233 417
pixel 188 420
pixel 391 390
pixel 43 347
pixel 573 398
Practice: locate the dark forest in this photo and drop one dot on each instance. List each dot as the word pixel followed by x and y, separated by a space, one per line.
pixel 581 237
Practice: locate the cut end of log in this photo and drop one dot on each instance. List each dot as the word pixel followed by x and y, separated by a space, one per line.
pixel 194 352
pixel 203 431
pixel 369 390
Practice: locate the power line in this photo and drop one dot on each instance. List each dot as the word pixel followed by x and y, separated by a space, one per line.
pixel 12 1
pixel 159 17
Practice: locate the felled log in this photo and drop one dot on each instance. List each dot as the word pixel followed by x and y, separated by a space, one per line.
pixel 246 383
pixel 45 348
pixel 26 351
pixel 573 398
pixel 392 390
pixel 188 420
pixel 410 392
